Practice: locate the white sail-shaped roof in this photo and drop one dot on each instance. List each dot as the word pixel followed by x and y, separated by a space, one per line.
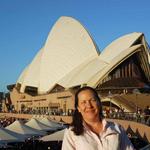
pixel 31 75
pixel 68 45
pixel 118 51
pixel 22 76
pixel 70 58
pixel 113 64
pixel 83 73
pixel 119 45
pixel 94 71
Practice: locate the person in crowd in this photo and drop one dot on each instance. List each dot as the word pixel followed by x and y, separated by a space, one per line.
pixel 147 113
pixel 89 130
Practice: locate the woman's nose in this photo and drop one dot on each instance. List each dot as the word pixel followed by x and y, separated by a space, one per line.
pixel 88 104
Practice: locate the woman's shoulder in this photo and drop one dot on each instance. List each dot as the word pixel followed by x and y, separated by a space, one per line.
pixel 69 130
pixel 70 135
pixel 114 126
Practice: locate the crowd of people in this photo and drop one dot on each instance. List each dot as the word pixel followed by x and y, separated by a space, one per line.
pixel 142 116
pixel 4 121
pixel 147 115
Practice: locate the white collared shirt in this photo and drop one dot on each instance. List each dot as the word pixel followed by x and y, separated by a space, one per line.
pixel 112 137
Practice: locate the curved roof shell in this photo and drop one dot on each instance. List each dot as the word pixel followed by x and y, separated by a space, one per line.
pixel 68 45
pixel 31 74
pixel 93 72
pixel 119 45
pixel 70 58
pixel 83 73
pixel 116 61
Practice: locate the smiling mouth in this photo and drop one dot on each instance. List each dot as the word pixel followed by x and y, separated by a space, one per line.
pixel 89 111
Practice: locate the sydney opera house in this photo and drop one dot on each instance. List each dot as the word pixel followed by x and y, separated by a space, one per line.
pixel 70 59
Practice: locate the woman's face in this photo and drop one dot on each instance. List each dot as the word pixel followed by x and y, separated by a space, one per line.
pixel 87 105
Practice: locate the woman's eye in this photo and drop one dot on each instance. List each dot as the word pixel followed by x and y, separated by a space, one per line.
pixel 93 100
pixel 83 102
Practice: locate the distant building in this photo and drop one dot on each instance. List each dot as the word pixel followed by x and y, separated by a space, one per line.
pixel 71 59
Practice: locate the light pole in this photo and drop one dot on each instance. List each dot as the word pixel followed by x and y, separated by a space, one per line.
pixel 65 105
pixel 136 92
pixel 110 98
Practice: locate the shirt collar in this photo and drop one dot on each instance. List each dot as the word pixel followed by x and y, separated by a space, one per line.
pixel 108 128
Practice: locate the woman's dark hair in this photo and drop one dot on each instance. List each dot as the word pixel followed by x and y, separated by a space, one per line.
pixel 77 120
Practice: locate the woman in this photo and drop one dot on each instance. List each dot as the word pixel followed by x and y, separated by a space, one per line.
pixel 89 130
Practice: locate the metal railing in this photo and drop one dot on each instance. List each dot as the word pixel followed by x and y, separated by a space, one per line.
pixel 130 116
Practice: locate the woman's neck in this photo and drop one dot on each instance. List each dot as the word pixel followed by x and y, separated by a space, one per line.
pixel 95 126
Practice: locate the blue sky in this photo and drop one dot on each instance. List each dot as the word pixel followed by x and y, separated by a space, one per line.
pixel 25 24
